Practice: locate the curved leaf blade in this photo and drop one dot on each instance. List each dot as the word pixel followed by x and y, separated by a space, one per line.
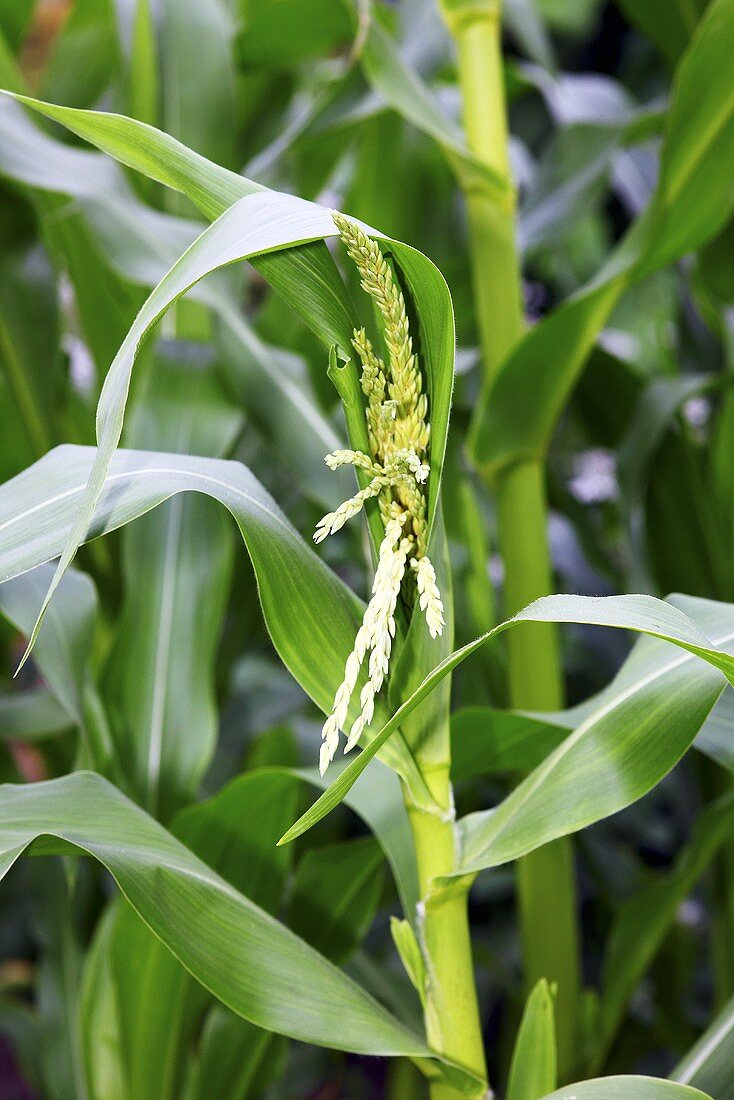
pixel 235 949
pixel 310 613
pixel 641 613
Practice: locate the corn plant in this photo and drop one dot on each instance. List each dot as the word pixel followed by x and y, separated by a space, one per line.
pixel 353 804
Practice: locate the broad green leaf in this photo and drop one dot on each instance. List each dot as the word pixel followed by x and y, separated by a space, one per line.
pixel 264 222
pixel 157 1004
pixel 311 615
pixel 533 1070
pixel 176 563
pixel 318 295
pixel 403 90
pixel 494 742
pixel 231 1058
pixel 141 244
pixel 646 918
pixel 335 894
pixel 716 736
pixel 625 1088
pixel 306 277
pixel 254 225
pixel 692 201
pixel 696 686
pixel 248 960
pixel 710 1063
pixel 32 715
pixel 635 733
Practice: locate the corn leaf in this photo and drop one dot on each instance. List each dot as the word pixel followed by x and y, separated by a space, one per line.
pixel 253 964
pixel 709 1064
pixel 602 784
pixel 160 672
pixel 311 615
pixel 644 920
pixel 533 1070
pixel 623 1088
pixel 517 414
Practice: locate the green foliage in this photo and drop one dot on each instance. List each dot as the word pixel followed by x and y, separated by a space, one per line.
pixel 213 918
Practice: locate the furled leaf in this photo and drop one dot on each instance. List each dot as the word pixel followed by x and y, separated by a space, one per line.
pixel 533 1070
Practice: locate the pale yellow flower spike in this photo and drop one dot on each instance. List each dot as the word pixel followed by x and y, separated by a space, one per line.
pixel 375 634
pixel 398 434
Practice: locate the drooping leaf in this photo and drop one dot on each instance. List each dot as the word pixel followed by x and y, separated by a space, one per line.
pixel 157 1004
pixel 311 615
pixel 252 963
pixel 504 834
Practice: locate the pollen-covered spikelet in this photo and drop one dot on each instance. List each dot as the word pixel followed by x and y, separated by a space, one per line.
pixel 398 433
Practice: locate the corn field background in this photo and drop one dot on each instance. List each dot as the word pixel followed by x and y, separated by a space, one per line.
pixel 479 256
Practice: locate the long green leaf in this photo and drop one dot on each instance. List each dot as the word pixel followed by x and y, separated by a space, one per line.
pixel 627 1088
pixel 248 960
pixel 141 244
pixel 516 416
pixel 306 277
pixel 160 681
pixel 710 1063
pixel 310 614
pixel 534 1062
pixel 646 918
pixel 504 834
pixel 157 1004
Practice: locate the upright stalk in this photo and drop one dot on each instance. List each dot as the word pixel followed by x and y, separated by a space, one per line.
pixel 451 1011
pixel 545 881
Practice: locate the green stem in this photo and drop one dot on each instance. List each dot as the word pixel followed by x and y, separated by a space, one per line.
pixel 545 881
pixel 451 1010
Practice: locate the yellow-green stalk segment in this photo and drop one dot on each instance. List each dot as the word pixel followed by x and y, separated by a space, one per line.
pixel 398 429
pixel 546 891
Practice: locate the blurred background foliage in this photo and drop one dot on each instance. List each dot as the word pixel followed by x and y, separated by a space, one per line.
pixel 640 471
